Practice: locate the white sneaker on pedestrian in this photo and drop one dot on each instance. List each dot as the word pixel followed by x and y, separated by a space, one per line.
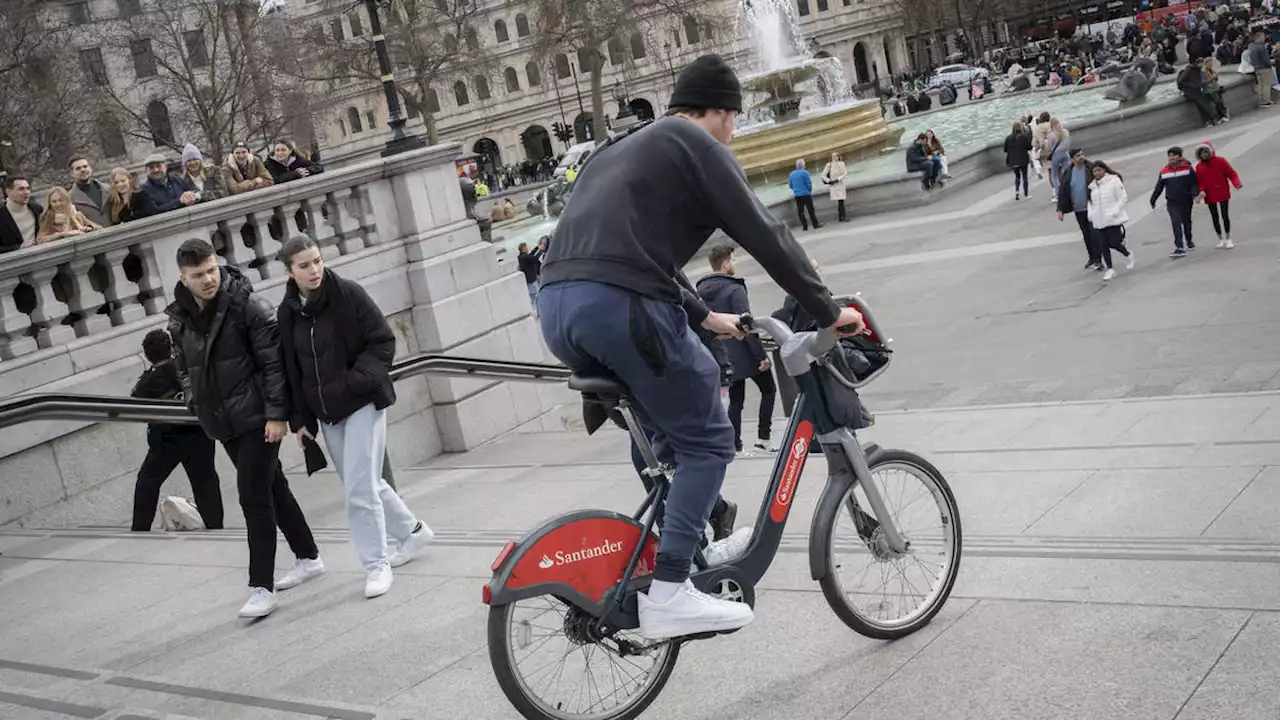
pixel 1110 273
pixel 1229 245
pixel 1028 196
pixel 261 603
pixel 743 454
pixel 412 545
pixel 722 551
pixel 378 581
pixel 767 446
pixel 690 612
pixel 303 570
pixel 1133 260
pixel 1222 244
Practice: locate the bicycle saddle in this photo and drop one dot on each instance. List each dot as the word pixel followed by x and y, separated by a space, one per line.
pixel 605 386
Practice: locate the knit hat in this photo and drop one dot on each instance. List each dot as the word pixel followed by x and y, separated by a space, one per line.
pixel 239 145
pixel 191 152
pixel 708 83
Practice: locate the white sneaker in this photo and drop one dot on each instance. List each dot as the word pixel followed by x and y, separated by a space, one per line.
pixel 1028 196
pixel 722 551
pixel 1110 273
pixel 690 612
pixel 743 454
pixel 302 571
pixel 261 602
pixel 378 582
pixel 1133 260
pixel 1229 245
pixel 1222 244
pixel 767 446
pixel 412 545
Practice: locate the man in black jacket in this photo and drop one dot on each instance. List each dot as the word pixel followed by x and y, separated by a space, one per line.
pixel 162 191
pixel 227 353
pixel 1073 197
pixel 530 264
pixel 19 216
pixel 338 349
pixel 171 445
pixel 919 160
pixel 610 304
pixel 723 292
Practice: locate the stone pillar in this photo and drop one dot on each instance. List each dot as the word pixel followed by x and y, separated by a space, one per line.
pixel 122 294
pixel 345 229
pixel 14 341
pixel 266 247
pixel 85 301
pixel 49 311
pixel 881 70
pixel 152 281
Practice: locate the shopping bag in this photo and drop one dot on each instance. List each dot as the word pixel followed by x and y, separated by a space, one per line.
pixel 178 514
pixel 1246 67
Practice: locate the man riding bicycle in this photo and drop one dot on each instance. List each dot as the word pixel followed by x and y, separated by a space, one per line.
pixel 610 305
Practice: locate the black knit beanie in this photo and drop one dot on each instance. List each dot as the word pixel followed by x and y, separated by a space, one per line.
pixel 708 83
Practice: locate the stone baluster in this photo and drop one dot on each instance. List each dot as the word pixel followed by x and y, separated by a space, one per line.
pixel 368 218
pixel 85 301
pixel 227 241
pixel 266 247
pixel 345 226
pixel 121 292
pixel 49 310
pixel 320 215
pixel 155 294
pixel 14 341
pixel 326 230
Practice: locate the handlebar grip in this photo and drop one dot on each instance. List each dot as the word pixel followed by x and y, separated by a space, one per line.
pixel 745 322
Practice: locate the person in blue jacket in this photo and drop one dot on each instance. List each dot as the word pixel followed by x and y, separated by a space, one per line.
pixel 162 192
pixel 802 187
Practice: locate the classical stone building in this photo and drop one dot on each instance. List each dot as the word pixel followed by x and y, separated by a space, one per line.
pixel 508 113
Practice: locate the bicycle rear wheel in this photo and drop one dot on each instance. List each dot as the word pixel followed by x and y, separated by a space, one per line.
pixel 553 666
pixel 876 591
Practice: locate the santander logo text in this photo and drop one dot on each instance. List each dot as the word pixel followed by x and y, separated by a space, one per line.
pixel 608 547
pixel 791 472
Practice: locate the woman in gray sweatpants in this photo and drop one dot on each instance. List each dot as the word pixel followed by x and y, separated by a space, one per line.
pixel 338 349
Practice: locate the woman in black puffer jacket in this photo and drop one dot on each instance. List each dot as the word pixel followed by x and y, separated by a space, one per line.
pixel 338 349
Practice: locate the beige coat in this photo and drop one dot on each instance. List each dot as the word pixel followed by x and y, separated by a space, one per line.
pixel 237 182
pixel 835 173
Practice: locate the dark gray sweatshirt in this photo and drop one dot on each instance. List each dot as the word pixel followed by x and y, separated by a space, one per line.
pixel 642 207
pixel 1258 56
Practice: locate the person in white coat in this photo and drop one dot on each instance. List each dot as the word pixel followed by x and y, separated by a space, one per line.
pixel 1107 215
pixel 833 175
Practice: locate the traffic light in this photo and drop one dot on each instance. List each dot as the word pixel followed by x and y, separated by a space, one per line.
pixel 562 131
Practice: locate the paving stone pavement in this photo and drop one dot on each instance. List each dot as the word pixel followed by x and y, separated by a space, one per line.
pixel 1115 451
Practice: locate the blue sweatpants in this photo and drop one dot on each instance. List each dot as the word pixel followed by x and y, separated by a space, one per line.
pixel 675 383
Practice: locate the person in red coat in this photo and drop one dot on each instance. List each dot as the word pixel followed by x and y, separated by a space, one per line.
pixel 1216 176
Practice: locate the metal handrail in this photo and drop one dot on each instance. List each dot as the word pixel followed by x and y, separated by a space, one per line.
pixel 105 408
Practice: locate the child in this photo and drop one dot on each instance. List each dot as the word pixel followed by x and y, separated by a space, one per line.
pixel 171 445
pixel 1216 176
pixel 1178 183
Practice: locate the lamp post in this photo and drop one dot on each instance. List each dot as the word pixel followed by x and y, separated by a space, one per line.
pixel 400 141
pixel 625 118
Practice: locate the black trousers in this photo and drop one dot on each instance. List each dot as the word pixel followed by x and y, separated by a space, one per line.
pixel 1224 222
pixel 738 397
pixel 1108 239
pixel 840 211
pixel 1205 106
pixel 804 202
pixel 267 501
pixel 166 450
pixel 1091 240
pixel 1180 216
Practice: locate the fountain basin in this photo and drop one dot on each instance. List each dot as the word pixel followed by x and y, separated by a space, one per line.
pixel 856 131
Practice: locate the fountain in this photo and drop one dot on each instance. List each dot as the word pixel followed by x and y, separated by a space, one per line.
pixel 790 119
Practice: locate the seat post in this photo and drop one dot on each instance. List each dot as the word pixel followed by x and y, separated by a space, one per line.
pixel 653 468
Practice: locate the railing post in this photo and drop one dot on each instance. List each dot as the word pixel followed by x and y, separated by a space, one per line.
pixel 49 311
pixel 120 292
pixel 152 281
pixel 85 301
pixel 266 247
pixel 14 342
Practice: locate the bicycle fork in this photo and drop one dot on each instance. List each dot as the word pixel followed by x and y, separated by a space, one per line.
pixel 862 472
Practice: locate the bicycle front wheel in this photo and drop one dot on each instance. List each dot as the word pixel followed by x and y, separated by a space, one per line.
pixel 552 664
pixel 879 592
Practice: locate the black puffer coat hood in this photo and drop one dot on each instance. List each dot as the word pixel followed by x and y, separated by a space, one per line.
pixel 228 358
pixel 338 350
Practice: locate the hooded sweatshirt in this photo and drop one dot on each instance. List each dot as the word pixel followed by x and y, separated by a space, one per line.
pixel 1216 176
pixel 1177 182
pixel 728 294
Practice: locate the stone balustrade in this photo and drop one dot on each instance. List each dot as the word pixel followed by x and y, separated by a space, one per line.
pixel 73 314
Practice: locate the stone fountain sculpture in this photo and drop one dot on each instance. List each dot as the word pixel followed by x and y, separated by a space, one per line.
pixel 1135 83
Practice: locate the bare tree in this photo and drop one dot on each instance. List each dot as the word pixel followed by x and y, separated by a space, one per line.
pixel 588 26
pixel 431 42
pixel 43 116
pixel 200 68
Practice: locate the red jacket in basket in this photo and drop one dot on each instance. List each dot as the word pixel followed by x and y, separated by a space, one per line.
pixel 1215 175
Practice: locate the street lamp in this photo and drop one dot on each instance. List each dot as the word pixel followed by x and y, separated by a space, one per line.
pixel 625 118
pixel 400 141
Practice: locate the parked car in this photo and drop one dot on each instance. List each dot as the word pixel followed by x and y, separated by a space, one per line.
pixel 574 157
pixel 957 75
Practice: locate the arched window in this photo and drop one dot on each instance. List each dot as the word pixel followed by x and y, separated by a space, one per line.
pixel 522 25
pixel 110 137
pixel 535 75
pixel 691 30
pixel 586 59
pixel 637 46
pixel 473 40
pixel 353 120
pixel 500 30
pixel 411 110
pixel 460 93
pixel 617 55
pixel 513 79
pixel 442 6
pixel 433 101
pixel 161 126
pixel 482 87
pixel 562 66
pixel 450 43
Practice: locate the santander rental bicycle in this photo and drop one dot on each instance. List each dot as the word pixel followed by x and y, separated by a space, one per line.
pixel 884 544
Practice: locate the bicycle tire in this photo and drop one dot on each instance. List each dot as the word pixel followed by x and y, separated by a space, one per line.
pixel 825 526
pixel 501 659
